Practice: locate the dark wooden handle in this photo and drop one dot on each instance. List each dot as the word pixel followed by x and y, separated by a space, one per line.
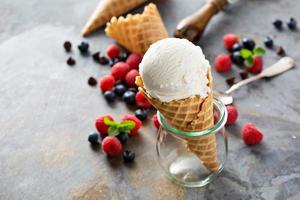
pixel 192 27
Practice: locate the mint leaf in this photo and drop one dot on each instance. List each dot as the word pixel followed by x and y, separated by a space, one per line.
pixel 113 131
pixel 109 122
pixel 259 51
pixel 248 62
pixel 245 53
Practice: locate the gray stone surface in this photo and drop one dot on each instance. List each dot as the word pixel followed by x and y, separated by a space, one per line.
pixel 47 109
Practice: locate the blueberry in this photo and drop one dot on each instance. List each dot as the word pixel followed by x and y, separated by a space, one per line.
pixel 248 43
pixel 141 114
pixel 83 47
pixel 123 137
pixel 278 24
pixel 128 156
pixel 268 42
pixel 244 75
pixel 237 58
pixel 109 96
pixel 67 46
pixel 113 61
pixel 93 138
pixel 292 24
pixel 129 97
pixel 230 81
pixel 123 56
pixel 120 89
pixel 236 47
pixel 96 56
pixel 103 60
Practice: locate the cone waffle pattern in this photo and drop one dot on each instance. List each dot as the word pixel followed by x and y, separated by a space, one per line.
pixel 190 114
pixel 138 32
pixel 107 9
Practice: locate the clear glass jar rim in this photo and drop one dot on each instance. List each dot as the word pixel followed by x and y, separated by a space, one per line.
pixel 222 120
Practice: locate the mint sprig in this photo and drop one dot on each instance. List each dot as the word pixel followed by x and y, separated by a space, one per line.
pixel 249 55
pixel 115 128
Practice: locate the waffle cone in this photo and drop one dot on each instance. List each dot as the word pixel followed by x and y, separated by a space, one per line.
pixel 190 115
pixel 138 32
pixel 107 9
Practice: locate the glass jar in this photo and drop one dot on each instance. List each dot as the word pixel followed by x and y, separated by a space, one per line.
pixel 181 164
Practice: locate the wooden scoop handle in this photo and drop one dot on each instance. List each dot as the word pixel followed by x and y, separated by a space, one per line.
pixel 193 26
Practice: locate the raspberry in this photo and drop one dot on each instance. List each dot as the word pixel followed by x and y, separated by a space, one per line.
pixel 155 121
pixel 223 63
pixel 113 51
pixel 251 135
pixel 111 146
pixel 229 40
pixel 130 77
pixel 137 122
pixel 101 127
pixel 119 70
pixel 106 83
pixel 134 60
pixel 232 114
pixel 141 101
pixel 257 66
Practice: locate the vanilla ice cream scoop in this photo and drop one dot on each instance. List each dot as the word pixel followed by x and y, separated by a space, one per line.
pixel 174 69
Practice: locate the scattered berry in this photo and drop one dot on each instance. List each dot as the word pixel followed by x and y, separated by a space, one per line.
pixel 141 101
pixel 280 51
pixel 109 96
pixel 120 89
pixel 129 97
pixel 113 51
pixel 237 58
pixel 123 137
pixel 223 63
pixel 232 115
pixel 92 81
pixel 67 46
pixel 134 60
pixel 107 83
pixel 111 146
pixel 244 75
pixel 93 138
pixel 236 47
pixel 257 66
pixel 71 61
pixel 113 61
pixel 230 81
pixel 137 122
pixel 130 77
pixel 128 156
pixel 83 47
pixel 141 114
pixel 268 42
pixel 123 56
pixel 96 56
pixel 248 44
pixel 101 127
pixel 251 135
pixel 103 60
pixel 119 70
pixel 278 24
pixel 155 121
pixel 292 24
pixel 229 40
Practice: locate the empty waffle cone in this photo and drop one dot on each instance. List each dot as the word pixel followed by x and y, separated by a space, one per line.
pixel 190 115
pixel 107 9
pixel 138 32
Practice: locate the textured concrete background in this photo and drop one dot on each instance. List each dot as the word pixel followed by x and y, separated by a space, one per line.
pixel 47 109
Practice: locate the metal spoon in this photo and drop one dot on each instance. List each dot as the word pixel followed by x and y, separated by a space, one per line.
pixel 279 67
